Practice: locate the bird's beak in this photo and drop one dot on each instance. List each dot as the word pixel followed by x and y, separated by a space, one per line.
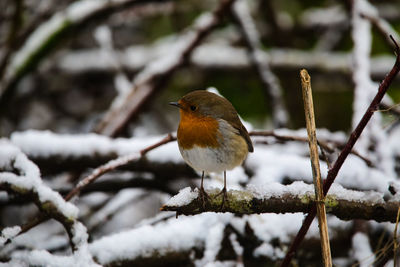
pixel 176 104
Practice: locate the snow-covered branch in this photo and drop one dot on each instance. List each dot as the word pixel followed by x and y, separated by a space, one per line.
pixel 260 59
pixel 156 73
pixel 44 39
pixel 217 56
pixel 297 197
pixel 21 177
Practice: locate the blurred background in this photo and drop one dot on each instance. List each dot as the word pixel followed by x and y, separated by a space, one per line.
pixel 73 72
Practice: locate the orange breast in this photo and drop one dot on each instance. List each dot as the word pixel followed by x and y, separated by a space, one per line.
pixel 194 130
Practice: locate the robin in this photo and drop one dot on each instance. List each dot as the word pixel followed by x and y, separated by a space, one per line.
pixel 211 137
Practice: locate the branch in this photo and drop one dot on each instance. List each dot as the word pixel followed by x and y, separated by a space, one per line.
pixel 48 35
pixel 109 166
pixel 80 151
pixel 19 176
pixel 76 152
pixel 277 198
pixel 325 144
pixel 113 164
pixel 152 78
pixel 383 27
pixel 383 87
pixel 208 56
pixel 13 32
pixel 314 156
pixel 260 59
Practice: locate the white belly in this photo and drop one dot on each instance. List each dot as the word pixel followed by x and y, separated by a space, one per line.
pixel 232 152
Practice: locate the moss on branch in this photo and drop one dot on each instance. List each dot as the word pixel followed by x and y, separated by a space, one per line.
pixel 247 202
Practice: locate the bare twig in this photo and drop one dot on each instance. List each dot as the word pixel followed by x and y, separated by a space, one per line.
pixel 312 141
pixel 113 164
pixel 383 87
pixel 325 157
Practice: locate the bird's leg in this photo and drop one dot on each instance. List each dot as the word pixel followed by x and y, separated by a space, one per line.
pixel 203 194
pixel 223 192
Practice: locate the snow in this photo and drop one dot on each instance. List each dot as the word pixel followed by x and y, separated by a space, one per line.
pixel 45 144
pixel 267 250
pixel 180 234
pixel 261 60
pixel 236 245
pixel 214 56
pixel 300 189
pixel 122 198
pixel 184 197
pixel 274 163
pixel 365 88
pixel 270 226
pixel 362 251
pixel 11 158
pixel 44 258
pixel 212 244
pixel 323 16
pixel 270 190
pixel 204 20
pixel 9 233
pixel 81 257
pixel 76 12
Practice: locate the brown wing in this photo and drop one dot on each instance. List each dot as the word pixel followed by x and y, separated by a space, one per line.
pixel 243 132
pixel 230 115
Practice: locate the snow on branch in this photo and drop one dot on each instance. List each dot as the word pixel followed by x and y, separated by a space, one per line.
pixel 333 172
pixel 44 38
pixel 167 241
pixel 72 151
pixel 20 176
pixel 156 73
pixel 277 161
pixel 216 56
pixel 46 144
pixel 81 256
pixel 297 197
pixel 259 58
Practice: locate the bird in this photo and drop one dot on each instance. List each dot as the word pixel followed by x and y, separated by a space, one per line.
pixel 211 137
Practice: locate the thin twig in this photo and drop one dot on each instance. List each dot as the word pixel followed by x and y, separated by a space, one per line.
pixel 383 27
pixel 319 194
pixel 324 156
pixel 332 173
pixel 113 164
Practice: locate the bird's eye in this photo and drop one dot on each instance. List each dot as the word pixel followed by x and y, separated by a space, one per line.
pixel 193 108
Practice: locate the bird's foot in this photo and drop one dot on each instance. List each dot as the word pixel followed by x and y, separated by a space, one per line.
pixel 204 197
pixel 224 197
